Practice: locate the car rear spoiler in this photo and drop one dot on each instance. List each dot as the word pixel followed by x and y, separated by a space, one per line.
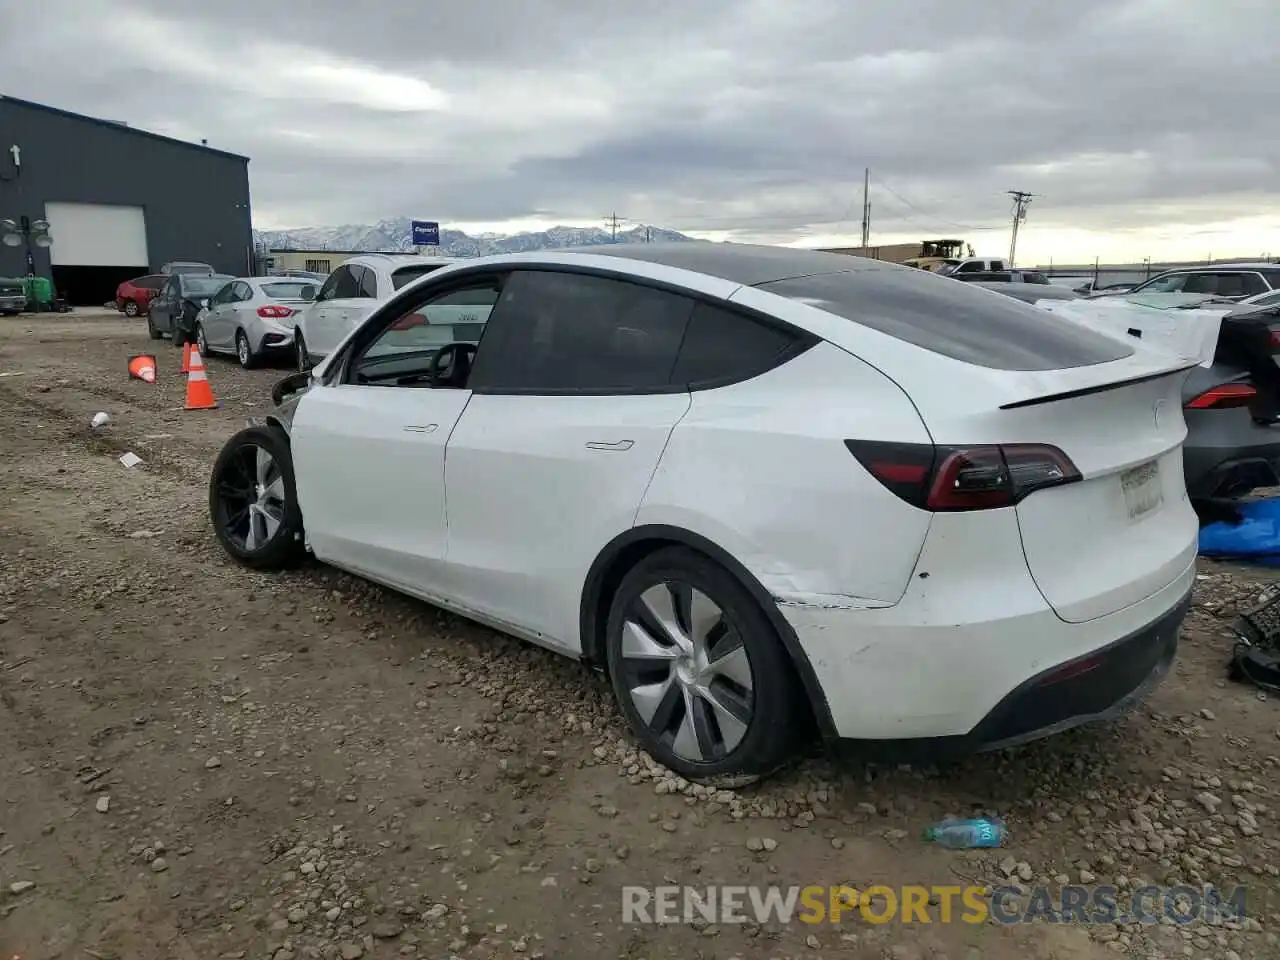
pixel 1182 367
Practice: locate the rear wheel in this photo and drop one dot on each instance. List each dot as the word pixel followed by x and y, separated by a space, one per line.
pixel 699 671
pixel 253 501
pixel 131 308
pixel 244 353
pixel 152 332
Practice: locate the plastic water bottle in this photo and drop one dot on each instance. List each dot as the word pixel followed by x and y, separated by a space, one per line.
pixel 966 834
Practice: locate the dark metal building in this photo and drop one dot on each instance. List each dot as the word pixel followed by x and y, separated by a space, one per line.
pixel 120 202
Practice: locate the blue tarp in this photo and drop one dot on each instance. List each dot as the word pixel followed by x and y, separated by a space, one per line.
pixel 1256 539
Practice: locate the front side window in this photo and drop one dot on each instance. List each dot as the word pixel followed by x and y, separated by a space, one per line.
pixel 404 354
pixel 564 333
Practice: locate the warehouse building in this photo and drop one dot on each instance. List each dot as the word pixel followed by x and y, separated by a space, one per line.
pixel 119 202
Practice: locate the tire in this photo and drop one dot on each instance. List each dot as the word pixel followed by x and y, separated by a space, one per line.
pixel 263 531
pixel 202 344
pixel 131 308
pixel 244 352
pixel 753 728
pixel 152 332
pixel 300 348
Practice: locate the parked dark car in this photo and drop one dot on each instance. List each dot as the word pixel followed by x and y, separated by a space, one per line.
pixel 133 296
pixel 1232 410
pixel 175 307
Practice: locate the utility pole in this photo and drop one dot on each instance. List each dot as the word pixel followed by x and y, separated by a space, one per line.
pixel 866 210
pixel 612 222
pixel 1020 201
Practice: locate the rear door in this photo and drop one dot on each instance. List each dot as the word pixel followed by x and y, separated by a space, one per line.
pixel 571 410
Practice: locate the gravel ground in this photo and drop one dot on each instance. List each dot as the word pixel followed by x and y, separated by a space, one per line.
pixel 200 761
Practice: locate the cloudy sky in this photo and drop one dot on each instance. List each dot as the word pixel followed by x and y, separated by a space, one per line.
pixel 1146 127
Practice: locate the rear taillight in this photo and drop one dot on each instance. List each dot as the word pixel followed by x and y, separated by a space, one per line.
pixel 274 311
pixel 947 479
pixel 1224 396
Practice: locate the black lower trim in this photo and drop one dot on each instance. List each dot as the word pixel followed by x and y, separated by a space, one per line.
pixel 1098 686
pixel 593 653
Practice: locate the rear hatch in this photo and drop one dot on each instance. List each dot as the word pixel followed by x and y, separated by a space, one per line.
pixel 1123 529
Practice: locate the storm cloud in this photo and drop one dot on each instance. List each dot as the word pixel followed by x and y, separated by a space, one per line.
pixel 750 119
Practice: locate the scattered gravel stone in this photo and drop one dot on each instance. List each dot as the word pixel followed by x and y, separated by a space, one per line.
pixel 213 763
pixel 103 804
pixel 21 886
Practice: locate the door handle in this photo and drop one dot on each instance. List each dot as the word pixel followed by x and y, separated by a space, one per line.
pixel 616 445
pixel 421 427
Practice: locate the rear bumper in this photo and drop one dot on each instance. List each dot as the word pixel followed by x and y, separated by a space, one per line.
pixel 13 303
pixel 1227 454
pixel 963 661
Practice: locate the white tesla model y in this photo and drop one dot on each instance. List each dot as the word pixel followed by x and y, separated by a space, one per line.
pixel 766 490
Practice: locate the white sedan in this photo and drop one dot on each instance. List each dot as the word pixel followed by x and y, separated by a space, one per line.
pixel 765 490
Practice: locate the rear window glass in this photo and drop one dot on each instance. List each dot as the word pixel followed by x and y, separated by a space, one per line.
pixel 954 319
pixel 406 275
pixel 289 291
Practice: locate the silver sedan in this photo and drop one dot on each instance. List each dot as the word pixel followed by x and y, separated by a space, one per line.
pixel 252 317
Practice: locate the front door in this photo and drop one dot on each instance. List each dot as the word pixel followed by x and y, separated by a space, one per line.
pixel 369 450
pixel 164 305
pixel 572 409
pixel 218 320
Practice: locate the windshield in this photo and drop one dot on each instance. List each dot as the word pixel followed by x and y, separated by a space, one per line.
pixel 406 275
pixel 291 290
pixel 203 286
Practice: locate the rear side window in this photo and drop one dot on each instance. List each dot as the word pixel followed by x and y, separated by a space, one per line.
pixel 406 275
pixel 288 290
pixel 556 333
pixel 367 281
pixel 954 319
pixel 153 282
pixel 723 347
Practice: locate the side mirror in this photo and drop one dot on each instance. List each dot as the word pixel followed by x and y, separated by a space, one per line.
pixel 309 292
pixel 290 385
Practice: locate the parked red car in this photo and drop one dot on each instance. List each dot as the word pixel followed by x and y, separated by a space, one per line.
pixel 133 296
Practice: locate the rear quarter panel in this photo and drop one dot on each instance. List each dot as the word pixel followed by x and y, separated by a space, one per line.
pixel 760 468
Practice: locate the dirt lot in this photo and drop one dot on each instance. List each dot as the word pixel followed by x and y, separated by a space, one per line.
pixel 200 761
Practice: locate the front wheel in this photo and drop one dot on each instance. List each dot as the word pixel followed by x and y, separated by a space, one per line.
pixel 202 344
pixel 699 671
pixel 253 500
pixel 300 347
pixel 152 332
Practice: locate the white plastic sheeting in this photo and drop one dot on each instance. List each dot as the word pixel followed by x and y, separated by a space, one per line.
pixel 1191 334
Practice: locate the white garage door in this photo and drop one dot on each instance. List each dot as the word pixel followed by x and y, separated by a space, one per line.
pixel 97 235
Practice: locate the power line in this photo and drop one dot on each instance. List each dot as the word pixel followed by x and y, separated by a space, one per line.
pixel 1021 199
pixel 924 213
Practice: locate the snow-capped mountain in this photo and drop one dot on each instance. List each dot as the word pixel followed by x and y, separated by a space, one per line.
pixel 393 235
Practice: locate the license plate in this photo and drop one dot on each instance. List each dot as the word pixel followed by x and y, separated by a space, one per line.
pixel 1142 489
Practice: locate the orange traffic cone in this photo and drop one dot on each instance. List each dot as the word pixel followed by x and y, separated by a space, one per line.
pixel 199 393
pixel 143 367
pixel 186 358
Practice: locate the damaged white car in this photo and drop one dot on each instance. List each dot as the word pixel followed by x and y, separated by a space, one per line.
pixel 770 492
